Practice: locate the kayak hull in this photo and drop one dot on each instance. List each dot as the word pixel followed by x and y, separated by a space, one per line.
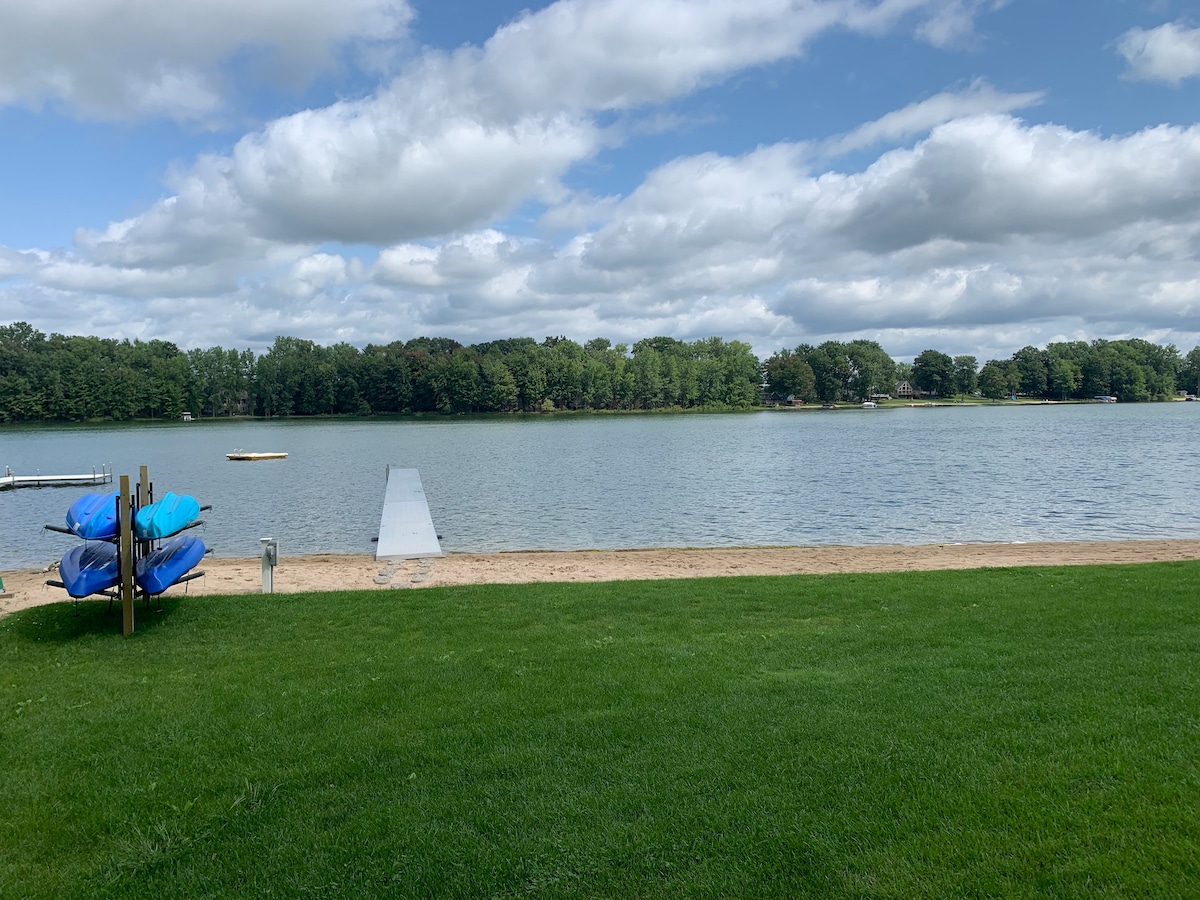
pixel 170 562
pixel 89 568
pixel 93 517
pixel 165 517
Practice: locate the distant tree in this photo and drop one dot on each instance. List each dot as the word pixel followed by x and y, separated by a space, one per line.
pixel 871 369
pixel 966 378
pixel 933 372
pixel 1065 377
pixel 993 379
pixel 788 374
pixel 1188 378
pixel 1033 365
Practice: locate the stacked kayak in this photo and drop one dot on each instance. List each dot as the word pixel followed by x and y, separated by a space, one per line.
pixel 165 517
pixel 93 567
pixel 89 568
pixel 93 517
pixel 169 563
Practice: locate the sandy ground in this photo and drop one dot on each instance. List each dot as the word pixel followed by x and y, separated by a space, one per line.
pixel 342 572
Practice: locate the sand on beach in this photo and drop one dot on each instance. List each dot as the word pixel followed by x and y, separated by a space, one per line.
pixel 326 572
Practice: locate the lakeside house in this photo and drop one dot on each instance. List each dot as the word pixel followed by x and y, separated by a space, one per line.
pixel 906 390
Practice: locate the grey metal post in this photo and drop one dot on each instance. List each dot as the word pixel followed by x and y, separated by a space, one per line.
pixel 270 558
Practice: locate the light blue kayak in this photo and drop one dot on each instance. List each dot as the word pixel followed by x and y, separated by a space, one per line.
pixel 165 517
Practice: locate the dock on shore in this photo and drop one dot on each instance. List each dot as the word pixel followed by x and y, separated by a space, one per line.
pixel 405 528
pixel 103 475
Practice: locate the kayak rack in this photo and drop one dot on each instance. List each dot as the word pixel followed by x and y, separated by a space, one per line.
pixel 130 498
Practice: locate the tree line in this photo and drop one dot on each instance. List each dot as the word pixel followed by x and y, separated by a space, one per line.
pixel 71 378
pixel 65 378
pixel 1130 370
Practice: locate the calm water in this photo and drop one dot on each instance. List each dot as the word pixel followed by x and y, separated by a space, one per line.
pixel 848 477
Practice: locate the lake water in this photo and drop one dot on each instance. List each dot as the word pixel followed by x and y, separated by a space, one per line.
pixel 910 475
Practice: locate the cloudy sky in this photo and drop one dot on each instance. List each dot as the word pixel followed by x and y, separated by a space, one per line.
pixel 968 175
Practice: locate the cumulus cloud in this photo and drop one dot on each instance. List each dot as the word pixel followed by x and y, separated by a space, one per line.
pixel 1169 53
pixel 116 59
pixel 983 220
pixel 986 221
pixel 460 139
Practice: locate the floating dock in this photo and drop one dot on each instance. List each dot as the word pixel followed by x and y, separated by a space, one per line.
pixel 103 475
pixel 406 529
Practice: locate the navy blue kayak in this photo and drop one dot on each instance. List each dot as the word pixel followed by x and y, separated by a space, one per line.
pixel 94 517
pixel 170 562
pixel 165 517
pixel 89 568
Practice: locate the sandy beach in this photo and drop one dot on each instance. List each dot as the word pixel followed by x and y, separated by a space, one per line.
pixel 362 572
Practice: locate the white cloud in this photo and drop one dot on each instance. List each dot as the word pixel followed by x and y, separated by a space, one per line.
pixel 1168 53
pixel 461 139
pixel 115 59
pixel 985 222
pixel 918 118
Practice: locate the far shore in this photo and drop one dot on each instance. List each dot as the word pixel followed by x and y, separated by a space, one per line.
pixel 330 572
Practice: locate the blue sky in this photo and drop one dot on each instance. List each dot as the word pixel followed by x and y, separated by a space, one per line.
pixel 967 175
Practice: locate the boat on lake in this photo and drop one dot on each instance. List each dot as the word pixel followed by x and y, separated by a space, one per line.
pixel 165 517
pixel 88 569
pixel 869 404
pixel 168 564
pixel 245 455
pixel 93 517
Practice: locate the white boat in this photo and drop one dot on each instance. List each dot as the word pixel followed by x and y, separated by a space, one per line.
pixel 244 455
pixel 869 404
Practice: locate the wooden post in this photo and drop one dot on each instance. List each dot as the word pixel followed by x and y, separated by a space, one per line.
pixel 143 499
pixel 125 537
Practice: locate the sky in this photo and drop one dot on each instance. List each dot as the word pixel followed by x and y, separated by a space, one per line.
pixel 971 176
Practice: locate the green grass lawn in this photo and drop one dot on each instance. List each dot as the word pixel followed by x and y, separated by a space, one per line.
pixel 996 733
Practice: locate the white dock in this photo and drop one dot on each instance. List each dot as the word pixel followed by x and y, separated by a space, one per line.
pixel 103 475
pixel 406 529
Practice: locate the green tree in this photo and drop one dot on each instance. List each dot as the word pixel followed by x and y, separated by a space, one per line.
pixel 1065 377
pixel 966 378
pixel 933 372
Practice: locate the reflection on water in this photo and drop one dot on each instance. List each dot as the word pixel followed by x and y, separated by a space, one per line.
pixel 913 476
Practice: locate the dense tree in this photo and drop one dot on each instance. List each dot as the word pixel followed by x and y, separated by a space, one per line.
pixel 966 378
pixel 788 375
pixel 66 378
pixel 1033 366
pixel 872 371
pixel 933 372
pixel 994 379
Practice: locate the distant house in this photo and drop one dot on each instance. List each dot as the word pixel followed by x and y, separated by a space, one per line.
pixel 186 417
pixel 905 390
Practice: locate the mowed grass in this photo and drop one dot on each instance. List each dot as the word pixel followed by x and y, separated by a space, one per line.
pixel 995 733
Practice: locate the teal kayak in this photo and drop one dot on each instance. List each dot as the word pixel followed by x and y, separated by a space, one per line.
pixel 165 517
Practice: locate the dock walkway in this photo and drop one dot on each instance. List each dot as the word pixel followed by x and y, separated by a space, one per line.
pixel 103 475
pixel 406 529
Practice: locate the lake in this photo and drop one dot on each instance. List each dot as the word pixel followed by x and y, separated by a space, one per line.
pixel 908 475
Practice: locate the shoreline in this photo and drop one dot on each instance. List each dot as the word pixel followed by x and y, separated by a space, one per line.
pixel 330 571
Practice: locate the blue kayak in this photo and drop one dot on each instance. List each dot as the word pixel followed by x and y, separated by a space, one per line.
pixel 94 517
pixel 165 517
pixel 170 562
pixel 89 568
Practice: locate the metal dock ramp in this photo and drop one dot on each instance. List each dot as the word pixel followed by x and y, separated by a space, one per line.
pixel 406 529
